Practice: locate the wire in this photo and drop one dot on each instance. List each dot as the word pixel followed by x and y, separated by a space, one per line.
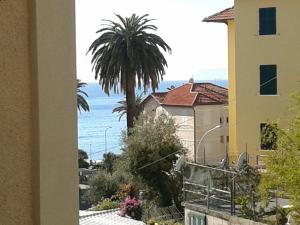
pixel 150 164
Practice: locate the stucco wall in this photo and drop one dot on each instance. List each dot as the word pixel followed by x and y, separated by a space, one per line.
pixel 150 107
pixel 204 117
pixel 16 138
pixel 38 132
pixel 253 50
pixel 207 117
pixel 215 217
pixel 184 120
pixel 232 90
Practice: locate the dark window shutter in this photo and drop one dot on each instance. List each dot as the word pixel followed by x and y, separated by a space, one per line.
pixel 268 79
pixel 267 21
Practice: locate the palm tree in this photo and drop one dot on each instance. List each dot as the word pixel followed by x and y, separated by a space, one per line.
pixel 122 108
pixel 81 101
pixel 126 55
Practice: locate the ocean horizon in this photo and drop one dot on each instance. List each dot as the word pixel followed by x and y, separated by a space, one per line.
pixel 92 125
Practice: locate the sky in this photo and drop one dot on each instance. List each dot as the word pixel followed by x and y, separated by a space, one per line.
pixel 199 49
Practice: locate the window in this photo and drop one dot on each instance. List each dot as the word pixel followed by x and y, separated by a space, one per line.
pixel 222 139
pixel 268 136
pixel 227 120
pixel 227 139
pixel 196 219
pixel 221 120
pixel 267 21
pixel 268 79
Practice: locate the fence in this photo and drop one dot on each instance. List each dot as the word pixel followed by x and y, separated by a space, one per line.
pixel 210 186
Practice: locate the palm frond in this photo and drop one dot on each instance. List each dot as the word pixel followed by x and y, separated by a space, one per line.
pixel 81 101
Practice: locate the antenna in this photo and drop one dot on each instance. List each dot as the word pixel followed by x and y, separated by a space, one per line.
pixel 242 161
pixel 179 163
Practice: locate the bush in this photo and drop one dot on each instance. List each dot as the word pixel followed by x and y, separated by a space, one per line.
pixel 132 207
pixel 107 204
pixel 82 156
pixel 127 190
pixel 150 152
pixel 102 186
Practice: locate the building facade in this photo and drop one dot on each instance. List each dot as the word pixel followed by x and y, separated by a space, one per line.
pixel 38 115
pixel 263 71
pixel 195 108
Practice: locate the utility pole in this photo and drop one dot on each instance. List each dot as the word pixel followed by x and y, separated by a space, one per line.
pixel 201 139
pixel 105 138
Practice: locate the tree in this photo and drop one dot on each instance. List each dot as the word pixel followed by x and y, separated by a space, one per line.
pixel 82 156
pixel 122 108
pixel 126 55
pixel 81 101
pixel 150 153
pixel 283 166
pixel 108 162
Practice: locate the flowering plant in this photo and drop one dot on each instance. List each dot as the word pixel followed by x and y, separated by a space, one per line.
pixel 131 207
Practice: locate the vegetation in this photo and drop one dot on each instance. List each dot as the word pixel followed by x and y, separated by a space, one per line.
pixel 269 136
pixel 149 155
pixel 82 156
pixel 126 55
pixel 132 207
pixel 108 163
pixel 283 165
pixel 247 183
pixel 102 186
pixel 81 95
pixel 107 204
pixel 145 164
pixel 122 108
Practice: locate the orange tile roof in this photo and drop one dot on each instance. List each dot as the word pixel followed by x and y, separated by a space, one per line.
pixel 221 17
pixel 192 94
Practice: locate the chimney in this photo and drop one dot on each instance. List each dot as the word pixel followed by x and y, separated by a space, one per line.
pixel 191 80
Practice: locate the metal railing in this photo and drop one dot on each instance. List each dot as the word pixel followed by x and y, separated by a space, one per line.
pixel 211 187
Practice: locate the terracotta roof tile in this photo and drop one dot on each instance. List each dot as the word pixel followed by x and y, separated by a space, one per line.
pixel 192 94
pixel 180 96
pixel 221 17
pixel 159 96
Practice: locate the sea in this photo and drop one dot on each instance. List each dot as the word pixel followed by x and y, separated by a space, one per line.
pixel 93 125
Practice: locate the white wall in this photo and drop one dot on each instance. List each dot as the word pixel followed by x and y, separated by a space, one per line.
pixel 207 117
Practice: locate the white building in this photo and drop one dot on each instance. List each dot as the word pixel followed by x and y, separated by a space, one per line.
pixel 196 108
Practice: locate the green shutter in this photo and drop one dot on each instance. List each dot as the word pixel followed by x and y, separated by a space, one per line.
pixel 267 21
pixel 268 79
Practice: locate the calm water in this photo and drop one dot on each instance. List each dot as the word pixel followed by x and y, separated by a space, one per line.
pixel 92 125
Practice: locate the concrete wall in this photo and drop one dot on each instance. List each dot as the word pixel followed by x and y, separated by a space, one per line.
pixel 38 132
pixel 207 117
pixel 215 217
pixel 253 50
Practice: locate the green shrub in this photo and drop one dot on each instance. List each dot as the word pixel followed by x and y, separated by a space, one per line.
pixel 107 204
pixel 102 186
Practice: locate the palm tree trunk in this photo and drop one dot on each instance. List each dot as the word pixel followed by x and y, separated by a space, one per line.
pixel 130 101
